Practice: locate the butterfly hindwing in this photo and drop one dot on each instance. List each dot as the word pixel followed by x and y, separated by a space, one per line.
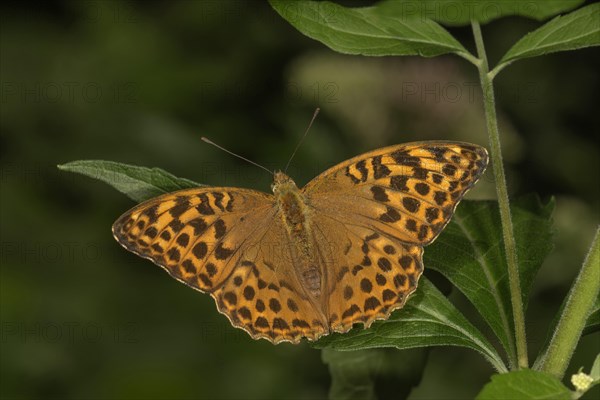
pixel 371 275
pixel 263 295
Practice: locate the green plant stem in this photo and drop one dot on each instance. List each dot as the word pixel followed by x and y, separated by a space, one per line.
pixel 580 301
pixel 502 193
pixel 469 57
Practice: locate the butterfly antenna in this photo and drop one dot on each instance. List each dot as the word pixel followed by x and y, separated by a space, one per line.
pixel 237 155
pixel 302 140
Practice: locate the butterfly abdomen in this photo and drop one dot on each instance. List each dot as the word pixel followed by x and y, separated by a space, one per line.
pixel 295 215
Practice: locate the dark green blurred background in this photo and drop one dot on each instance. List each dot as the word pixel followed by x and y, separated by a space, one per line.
pixel 141 83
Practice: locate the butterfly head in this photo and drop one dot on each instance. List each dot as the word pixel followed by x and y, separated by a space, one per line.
pixel 282 183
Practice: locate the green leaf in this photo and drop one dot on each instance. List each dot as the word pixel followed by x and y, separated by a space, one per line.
pixel 139 183
pixel 427 319
pixel 573 31
pixel 461 12
pixel 524 384
pixel 368 31
pixel 470 254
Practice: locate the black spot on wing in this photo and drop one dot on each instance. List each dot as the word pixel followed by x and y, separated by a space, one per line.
pixel 405 262
pixel 219 200
pixel 437 178
pixel 292 305
pixel 183 239
pixel 151 232
pixel 449 169
pixel 182 204
pixel 379 170
pixel 404 158
pixel 353 309
pixel 221 252
pixel 379 194
pixel 438 153
pixel 372 303
pixel 420 173
pixel 362 168
pixel 199 250
pixel 423 230
pixel 198 224
pixel 440 197
pixel 431 214
pixel 422 188
pixel 366 285
pixel 176 225
pixel 151 213
pixel 165 235
pixel 261 322
pixel 220 228
pixel 410 204
pixel 391 215
pixel 204 207
pixel 229 206
pixel 399 183
pixel 352 177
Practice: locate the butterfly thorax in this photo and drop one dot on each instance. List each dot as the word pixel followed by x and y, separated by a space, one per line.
pixel 295 214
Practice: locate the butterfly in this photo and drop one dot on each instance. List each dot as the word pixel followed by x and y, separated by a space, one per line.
pixel 301 263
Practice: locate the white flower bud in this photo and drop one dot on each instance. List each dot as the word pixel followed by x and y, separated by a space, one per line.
pixel 581 381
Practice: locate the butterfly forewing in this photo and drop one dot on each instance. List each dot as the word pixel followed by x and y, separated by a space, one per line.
pixel 409 191
pixel 194 234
